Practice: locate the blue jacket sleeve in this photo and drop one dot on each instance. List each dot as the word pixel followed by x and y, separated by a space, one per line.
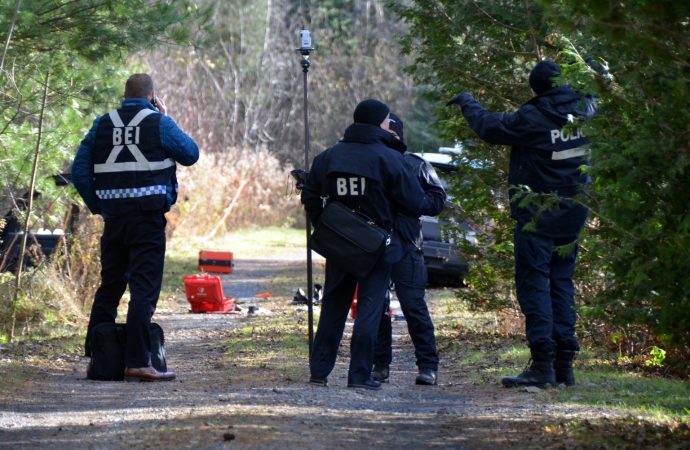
pixel 498 128
pixel 177 143
pixel 82 170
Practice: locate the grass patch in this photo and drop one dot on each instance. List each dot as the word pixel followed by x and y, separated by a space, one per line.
pixel 622 433
pixel 244 243
pixel 20 360
pixel 630 392
pixel 272 347
pixel 12 375
pixel 650 411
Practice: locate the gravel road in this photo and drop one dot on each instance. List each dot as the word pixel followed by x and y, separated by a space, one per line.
pixel 58 408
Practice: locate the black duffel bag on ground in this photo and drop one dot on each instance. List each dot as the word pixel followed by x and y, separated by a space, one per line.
pixel 107 343
pixel 348 239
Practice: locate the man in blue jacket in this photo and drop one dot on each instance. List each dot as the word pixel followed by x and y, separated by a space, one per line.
pixel 547 157
pixel 364 174
pixel 410 277
pixel 124 170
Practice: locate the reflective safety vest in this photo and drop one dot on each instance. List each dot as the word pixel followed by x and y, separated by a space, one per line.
pixel 132 171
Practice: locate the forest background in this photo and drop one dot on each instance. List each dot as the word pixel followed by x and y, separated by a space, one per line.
pixel 230 75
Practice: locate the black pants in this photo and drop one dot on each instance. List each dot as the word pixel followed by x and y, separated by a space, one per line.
pixel 132 253
pixel 545 290
pixel 409 276
pixel 339 289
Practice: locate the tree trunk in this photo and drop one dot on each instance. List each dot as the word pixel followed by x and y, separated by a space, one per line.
pixel 22 247
pixel 9 35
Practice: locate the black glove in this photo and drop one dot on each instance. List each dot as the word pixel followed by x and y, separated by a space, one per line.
pixel 455 100
pixel 300 177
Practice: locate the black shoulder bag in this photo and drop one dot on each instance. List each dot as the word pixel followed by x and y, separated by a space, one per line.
pixel 350 240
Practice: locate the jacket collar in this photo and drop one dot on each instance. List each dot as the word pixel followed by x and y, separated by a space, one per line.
pixel 364 133
pixel 137 101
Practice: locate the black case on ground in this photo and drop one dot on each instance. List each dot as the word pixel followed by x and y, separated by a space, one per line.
pixel 108 341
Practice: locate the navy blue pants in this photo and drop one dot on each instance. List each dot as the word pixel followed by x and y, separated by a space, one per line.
pixel 410 277
pixel 132 253
pixel 339 289
pixel 545 290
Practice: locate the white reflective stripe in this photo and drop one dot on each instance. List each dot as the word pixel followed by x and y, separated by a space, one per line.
pixel 115 117
pixel 141 115
pixel 134 150
pixel 567 154
pixel 114 153
pixel 133 166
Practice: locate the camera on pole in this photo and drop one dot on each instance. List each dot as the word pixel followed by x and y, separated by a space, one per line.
pixel 305 50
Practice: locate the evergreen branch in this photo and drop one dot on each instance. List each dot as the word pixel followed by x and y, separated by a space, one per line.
pixel 72 14
pixel 496 21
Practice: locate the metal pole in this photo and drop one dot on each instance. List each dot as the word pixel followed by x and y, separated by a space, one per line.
pixel 305 50
pixel 310 281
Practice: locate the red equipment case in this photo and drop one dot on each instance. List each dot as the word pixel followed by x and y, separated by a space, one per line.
pixel 205 294
pixel 353 306
pixel 215 261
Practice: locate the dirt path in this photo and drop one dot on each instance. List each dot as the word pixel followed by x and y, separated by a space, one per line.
pixel 58 408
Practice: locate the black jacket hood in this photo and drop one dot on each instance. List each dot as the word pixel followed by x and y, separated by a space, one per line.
pixel 560 102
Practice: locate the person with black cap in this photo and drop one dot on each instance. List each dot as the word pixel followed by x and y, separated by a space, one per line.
pixel 547 157
pixel 364 174
pixel 409 278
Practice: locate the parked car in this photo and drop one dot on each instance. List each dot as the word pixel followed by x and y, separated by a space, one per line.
pixel 445 264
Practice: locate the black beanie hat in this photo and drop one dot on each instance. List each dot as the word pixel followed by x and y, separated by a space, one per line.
pixel 396 125
pixel 541 76
pixel 371 111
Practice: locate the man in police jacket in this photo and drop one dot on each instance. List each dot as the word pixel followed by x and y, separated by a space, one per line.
pixel 363 173
pixel 547 156
pixel 124 170
pixel 410 277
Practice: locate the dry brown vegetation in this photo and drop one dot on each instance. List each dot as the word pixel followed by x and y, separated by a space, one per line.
pixel 221 193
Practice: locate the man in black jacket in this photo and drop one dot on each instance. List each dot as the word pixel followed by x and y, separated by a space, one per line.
pixel 410 277
pixel 547 157
pixel 363 173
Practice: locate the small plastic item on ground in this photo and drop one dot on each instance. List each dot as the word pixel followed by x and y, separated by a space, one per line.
pixel 205 295
pixel 215 261
pixel 318 294
pixel 263 295
pixel 255 310
pixel 300 297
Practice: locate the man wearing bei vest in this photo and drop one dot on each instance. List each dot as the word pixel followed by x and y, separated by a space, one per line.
pixel 363 173
pixel 124 170
pixel 410 277
pixel 547 156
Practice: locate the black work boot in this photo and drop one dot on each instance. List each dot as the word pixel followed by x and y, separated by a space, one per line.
pixel 563 366
pixel 540 373
pixel 381 373
pixel 426 377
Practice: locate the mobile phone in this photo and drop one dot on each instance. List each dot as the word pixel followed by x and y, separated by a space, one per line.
pixel 153 100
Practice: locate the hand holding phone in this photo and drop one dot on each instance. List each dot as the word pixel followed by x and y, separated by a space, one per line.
pixel 159 103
